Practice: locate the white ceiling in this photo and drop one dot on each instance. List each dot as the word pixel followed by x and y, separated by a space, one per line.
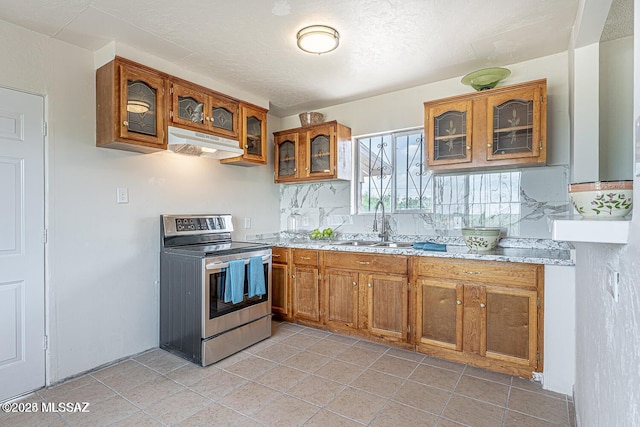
pixel 385 45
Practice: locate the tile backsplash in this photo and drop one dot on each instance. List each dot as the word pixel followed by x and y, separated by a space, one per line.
pixel 516 200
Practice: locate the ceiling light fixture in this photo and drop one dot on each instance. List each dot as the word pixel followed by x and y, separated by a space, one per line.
pixel 318 39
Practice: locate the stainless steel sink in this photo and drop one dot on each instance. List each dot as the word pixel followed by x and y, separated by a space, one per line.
pixel 393 245
pixel 356 243
pixel 375 244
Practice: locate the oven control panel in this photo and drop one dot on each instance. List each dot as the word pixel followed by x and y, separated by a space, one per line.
pixel 196 224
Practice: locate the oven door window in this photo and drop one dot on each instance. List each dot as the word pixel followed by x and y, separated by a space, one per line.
pixel 217 306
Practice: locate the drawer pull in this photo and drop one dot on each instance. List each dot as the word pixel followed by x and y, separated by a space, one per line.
pixel 472 272
pixel 458 302
pixel 275 255
pixel 363 262
pixel 482 305
pixel 305 257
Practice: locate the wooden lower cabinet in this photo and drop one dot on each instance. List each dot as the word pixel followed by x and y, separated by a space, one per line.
pixel 280 289
pixel 372 304
pixel 305 282
pixel 486 319
pixel 481 313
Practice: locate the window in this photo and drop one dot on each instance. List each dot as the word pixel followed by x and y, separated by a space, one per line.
pixel 391 169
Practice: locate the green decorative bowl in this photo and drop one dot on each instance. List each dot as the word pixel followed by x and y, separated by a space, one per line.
pixel 481 238
pixel 602 199
pixel 486 78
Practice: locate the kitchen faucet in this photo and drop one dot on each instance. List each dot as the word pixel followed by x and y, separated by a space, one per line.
pixel 384 233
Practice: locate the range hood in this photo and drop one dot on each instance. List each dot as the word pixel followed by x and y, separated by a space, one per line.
pixel 196 143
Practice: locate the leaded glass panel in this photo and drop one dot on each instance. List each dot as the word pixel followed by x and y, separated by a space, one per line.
pixel 450 136
pixel 320 154
pixel 222 118
pixel 141 108
pixel 513 127
pixel 286 158
pixel 254 136
pixel 190 109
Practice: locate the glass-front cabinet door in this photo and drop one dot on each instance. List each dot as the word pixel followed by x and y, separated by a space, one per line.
pixel 141 105
pixel 319 153
pixel 223 116
pixel 513 124
pixel 449 133
pixel 286 156
pixel 254 133
pixel 188 106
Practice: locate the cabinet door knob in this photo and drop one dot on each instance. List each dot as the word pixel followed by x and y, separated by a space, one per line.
pixel 458 302
pixel 489 145
pixel 355 283
pixel 468 147
pixel 369 285
pixel 125 123
pixel 293 276
pixel 482 305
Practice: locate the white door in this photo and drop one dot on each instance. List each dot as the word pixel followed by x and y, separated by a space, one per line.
pixel 22 354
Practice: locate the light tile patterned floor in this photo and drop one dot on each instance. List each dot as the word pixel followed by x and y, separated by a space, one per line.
pixel 300 376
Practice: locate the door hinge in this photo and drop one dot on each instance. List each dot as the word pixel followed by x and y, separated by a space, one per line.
pixel 171 90
pixel 538 302
pixel 319 276
pixel 45 236
pixel 45 129
pixel 541 144
pixel 171 114
pixel 541 99
pixel 538 357
pixel 409 329
pixel 45 342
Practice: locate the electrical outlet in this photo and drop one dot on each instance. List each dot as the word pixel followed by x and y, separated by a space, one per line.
pixel 247 223
pixel 122 195
pixel 613 282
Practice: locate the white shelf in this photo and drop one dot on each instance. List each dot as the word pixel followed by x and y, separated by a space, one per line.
pixel 577 229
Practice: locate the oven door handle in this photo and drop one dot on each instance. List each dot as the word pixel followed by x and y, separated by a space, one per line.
pixel 221 265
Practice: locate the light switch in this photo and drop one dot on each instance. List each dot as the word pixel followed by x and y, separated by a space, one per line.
pixel 122 195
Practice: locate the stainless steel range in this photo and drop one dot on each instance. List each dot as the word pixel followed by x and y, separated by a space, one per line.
pixel 213 302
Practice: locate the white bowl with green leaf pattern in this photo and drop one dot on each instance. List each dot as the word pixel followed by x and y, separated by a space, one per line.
pixel 602 199
pixel 481 238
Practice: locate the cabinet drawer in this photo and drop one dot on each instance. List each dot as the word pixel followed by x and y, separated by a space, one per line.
pixel 394 264
pixel 304 256
pixel 495 273
pixel 280 255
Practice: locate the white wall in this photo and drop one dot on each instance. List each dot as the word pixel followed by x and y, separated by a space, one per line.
pixel 607 390
pixel 103 258
pixel 616 110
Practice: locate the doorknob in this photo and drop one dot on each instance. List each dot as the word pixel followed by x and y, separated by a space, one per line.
pixel 482 305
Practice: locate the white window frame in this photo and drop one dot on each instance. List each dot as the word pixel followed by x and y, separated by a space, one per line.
pixel 356 189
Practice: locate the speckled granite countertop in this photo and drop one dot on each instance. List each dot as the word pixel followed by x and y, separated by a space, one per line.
pixel 531 251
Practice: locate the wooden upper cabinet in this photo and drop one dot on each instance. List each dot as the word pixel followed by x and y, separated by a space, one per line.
pixel 504 126
pixel 449 133
pixel 202 109
pixel 130 107
pixel 253 137
pixel 311 153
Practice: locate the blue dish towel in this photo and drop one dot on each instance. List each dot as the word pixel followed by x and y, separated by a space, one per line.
pixel 256 277
pixel 234 282
pixel 430 246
